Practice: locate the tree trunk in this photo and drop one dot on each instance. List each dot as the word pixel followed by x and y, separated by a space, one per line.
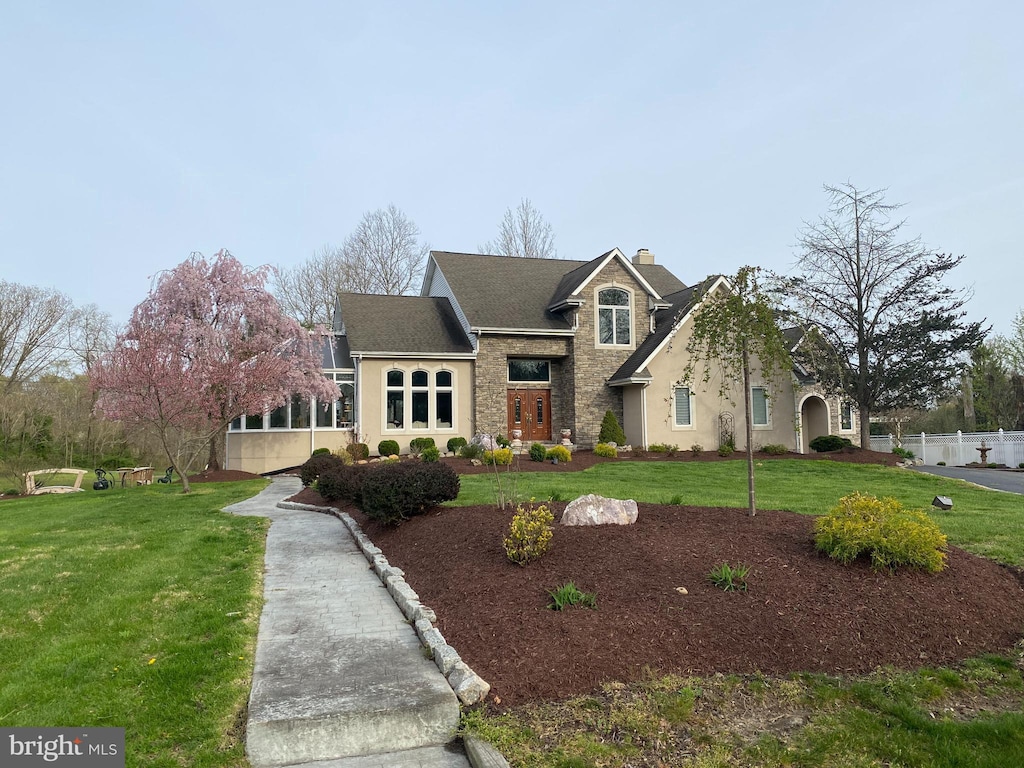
pixel 864 414
pixel 216 451
pixel 748 411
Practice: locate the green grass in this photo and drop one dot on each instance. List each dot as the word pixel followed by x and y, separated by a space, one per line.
pixel 972 716
pixel 981 521
pixel 133 607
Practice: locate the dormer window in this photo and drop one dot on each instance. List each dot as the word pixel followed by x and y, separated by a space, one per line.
pixel 613 317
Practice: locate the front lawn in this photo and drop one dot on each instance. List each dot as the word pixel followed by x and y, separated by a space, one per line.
pixel 987 523
pixel 133 607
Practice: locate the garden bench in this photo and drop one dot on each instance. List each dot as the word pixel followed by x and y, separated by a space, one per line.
pixel 32 488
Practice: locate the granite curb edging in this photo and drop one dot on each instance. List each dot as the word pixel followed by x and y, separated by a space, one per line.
pixel 468 686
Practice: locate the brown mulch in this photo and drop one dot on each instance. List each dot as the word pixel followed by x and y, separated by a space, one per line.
pixel 221 476
pixel 802 611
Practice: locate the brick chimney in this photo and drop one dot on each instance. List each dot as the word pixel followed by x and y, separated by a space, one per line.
pixel 643 256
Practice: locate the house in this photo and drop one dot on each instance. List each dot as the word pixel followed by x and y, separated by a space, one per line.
pixel 533 346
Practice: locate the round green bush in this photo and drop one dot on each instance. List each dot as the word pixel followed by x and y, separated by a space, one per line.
pixel 559 452
pixel 418 444
pixel 320 451
pixel 359 451
pixel 456 443
pixel 387 448
pixel 605 450
pixel 826 443
pixel 431 453
pixel 538 452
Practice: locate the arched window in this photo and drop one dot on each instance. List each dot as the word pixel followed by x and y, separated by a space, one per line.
pixel 613 317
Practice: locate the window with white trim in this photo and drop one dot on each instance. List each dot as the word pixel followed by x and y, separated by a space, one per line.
pixel 443 394
pixel 846 417
pixel 420 400
pixel 394 409
pixel 682 407
pixel 614 317
pixel 759 406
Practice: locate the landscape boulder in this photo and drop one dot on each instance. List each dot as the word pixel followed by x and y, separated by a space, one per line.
pixel 592 509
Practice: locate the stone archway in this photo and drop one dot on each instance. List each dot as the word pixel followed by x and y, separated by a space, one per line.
pixel 813 421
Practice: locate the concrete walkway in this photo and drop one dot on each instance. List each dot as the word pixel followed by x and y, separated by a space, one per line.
pixel 341 679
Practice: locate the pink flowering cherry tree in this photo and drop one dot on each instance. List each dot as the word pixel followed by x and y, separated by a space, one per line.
pixel 207 345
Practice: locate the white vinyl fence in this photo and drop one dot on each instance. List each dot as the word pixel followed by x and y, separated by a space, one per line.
pixel 959 448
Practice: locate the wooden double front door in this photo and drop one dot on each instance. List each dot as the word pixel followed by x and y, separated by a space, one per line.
pixel 530 411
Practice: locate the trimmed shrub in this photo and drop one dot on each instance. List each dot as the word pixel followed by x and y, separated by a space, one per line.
pixel 320 451
pixel 431 453
pixel 726 449
pixel 884 529
pixel 559 452
pixel 387 448
pixel 455 444
pixel 502 456
pixel 826 443
pixel 603 449
pixel 696 449
pixel 940 463
pixel 418 444
pixel 317 464
pixel 775 449
pixel 358 451
pixel 394 492
pixel 538 452
pixel 343 483
pixel 529 533
pixel 611 432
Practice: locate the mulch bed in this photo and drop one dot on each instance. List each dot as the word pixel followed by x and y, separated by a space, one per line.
pixel 802 611
pixel 221 476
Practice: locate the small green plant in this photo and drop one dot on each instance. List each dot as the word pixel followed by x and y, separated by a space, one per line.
pixel 696 449
pixel 883 529
pixel 500 456
pixel 320 451
pixel 775 449
pixel 940 463
pixel 903 453
pixel 344 456
pixel 471 451
pixel 611 431
pixel 559 452
pixel 826 443
pixel 675 501
pixel 455 444
pixel 538 452
pixel 1021 465
pixel 529 533
pixel 570 595
pixel 358 451
pixel 431 453
pixel 731 578
pixel 418 444
pixel 387 448
pixel 992 465
pixel 663 448
pixel 608 451
pixel 726 450
pixel 502 441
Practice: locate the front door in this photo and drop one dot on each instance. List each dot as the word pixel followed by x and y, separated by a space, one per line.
pixel 530 411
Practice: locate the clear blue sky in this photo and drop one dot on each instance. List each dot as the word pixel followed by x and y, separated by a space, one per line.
pixel 134 133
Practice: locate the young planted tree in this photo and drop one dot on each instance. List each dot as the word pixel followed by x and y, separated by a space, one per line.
pixel 207 345
pixel 892 334
pixel 734 336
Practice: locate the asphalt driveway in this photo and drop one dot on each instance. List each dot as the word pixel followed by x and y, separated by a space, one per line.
pixel 998 480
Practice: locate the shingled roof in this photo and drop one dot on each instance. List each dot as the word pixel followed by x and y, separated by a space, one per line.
pixel 503 292
pixel 401 325
pixel 665 320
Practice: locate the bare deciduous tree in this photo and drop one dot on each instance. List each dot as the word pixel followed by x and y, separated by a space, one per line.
pixel 893 335
pixel 383 254
pixel 308 291
pixel 523 232
pixel 33 332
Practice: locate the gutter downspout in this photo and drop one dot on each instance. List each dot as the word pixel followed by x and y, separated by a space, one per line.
pixel 643 416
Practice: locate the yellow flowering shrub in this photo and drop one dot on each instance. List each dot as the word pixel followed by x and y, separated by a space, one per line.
pixel 561 453
pixel 884 529
pixel 502 456
pixel 529 533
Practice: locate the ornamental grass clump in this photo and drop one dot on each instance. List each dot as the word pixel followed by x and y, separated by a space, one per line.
pixel 883 529
pixel 529 533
